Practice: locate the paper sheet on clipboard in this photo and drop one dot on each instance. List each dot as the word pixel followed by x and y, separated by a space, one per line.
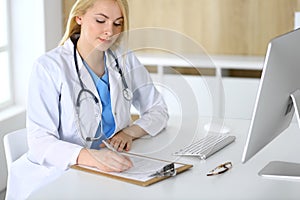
pixel 140 173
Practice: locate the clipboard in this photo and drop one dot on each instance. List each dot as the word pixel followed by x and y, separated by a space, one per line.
pixel 142 178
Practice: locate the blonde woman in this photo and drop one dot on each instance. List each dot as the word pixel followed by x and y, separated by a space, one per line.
pixel 80 94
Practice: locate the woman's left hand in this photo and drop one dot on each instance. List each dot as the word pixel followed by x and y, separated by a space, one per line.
pixel 121 141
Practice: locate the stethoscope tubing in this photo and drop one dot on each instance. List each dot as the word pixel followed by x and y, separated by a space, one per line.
pixel 127 94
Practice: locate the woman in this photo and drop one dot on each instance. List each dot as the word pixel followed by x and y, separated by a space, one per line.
pixel 77 99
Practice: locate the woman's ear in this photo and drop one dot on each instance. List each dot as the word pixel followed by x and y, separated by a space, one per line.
pixel 78 20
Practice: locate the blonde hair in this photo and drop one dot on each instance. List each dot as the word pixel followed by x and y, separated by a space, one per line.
pixel 80 8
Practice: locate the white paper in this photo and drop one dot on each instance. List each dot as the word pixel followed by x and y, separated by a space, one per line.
pixel 142 168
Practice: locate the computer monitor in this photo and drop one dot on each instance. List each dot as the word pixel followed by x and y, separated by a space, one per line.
pixel 278 98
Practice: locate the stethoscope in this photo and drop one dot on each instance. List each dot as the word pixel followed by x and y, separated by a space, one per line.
pixel 127 94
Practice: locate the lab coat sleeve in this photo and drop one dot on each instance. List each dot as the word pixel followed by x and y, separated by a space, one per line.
pixel 147 100
pixel 45 146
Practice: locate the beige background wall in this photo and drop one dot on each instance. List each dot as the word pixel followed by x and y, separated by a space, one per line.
pixel 241 27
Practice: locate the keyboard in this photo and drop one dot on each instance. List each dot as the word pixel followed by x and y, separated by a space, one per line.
pixel 206 146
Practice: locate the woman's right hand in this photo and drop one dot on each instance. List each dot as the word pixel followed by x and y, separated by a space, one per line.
pixel 104 159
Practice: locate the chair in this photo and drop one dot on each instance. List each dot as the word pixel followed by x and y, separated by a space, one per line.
pixel 15 145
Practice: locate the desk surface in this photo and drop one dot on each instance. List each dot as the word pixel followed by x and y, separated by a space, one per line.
pixel 241 182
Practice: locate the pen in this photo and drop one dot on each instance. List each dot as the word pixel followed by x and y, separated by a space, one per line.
pixel 109 146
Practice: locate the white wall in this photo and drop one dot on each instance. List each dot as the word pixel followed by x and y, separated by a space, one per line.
pixel 36 27
pixel 297 20
pixel 53 23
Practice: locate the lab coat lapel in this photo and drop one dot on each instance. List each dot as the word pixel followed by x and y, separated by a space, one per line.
pixel 115 83
pixel 120 106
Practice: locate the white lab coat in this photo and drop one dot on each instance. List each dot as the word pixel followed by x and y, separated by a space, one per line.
pixel 53 135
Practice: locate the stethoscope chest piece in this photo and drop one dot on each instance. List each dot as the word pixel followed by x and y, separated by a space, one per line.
pixel 127 94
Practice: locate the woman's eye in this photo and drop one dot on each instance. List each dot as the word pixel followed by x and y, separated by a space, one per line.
pixel 118 23
pixel 100 21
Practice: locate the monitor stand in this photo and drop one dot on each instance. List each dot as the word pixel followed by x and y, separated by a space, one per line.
pixel 280 169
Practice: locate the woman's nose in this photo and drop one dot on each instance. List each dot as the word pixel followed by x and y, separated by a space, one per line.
pixel 108 31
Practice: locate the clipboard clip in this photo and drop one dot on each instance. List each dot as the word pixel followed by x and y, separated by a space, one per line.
pixel 168 170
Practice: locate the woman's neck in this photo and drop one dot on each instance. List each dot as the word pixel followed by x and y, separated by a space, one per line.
pixel 93 57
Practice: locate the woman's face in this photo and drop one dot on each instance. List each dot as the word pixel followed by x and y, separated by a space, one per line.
pixel 101 24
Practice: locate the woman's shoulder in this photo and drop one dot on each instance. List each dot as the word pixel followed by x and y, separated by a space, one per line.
pixel 58 56
pixel 56 62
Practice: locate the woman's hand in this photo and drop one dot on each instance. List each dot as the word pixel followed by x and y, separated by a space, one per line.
pixel 104 159
pixel 121 141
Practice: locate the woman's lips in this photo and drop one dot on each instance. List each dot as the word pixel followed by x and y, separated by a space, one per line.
pixel 104 40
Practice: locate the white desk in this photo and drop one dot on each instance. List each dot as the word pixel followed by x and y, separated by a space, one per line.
pixel 241 182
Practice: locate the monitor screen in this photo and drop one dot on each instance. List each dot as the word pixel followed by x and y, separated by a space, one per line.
pixel 280 81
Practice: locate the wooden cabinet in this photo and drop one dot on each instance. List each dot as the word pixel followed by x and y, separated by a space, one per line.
pixel 242 27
